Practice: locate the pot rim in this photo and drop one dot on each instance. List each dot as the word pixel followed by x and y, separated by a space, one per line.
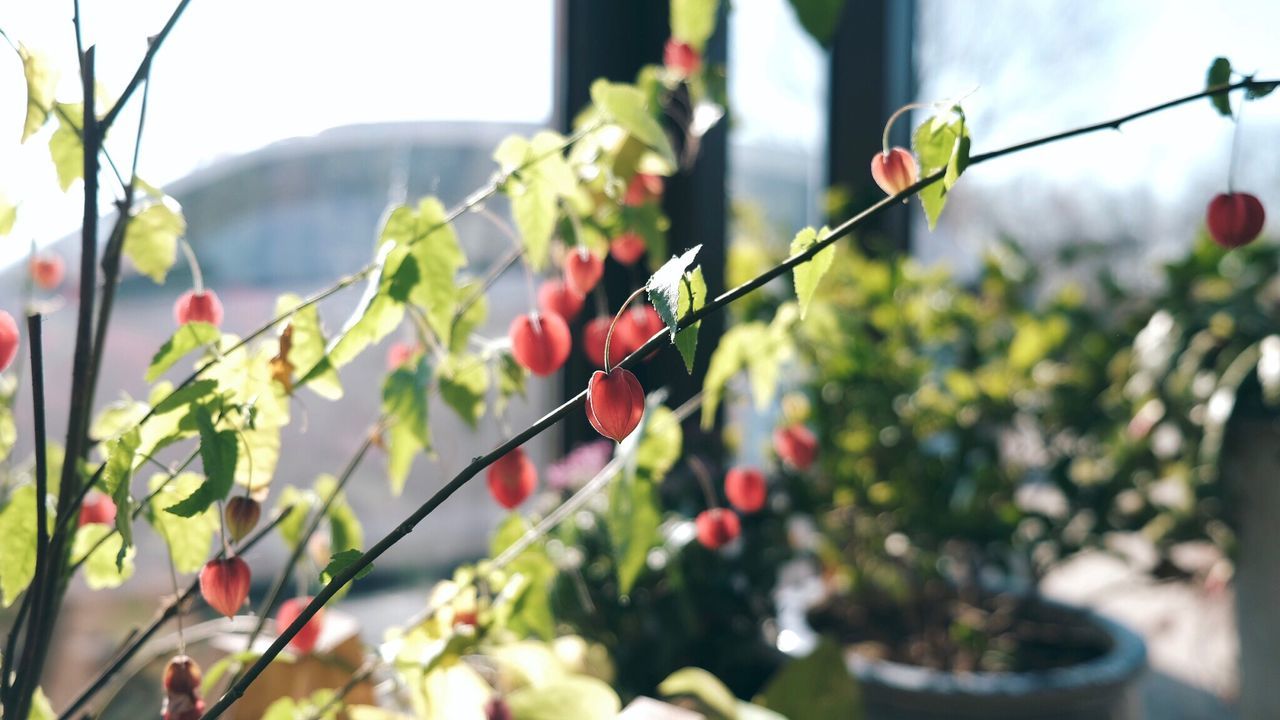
pixel 1126 659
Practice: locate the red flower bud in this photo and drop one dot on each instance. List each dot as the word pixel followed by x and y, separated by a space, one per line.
pixel 634 329
pixel 642 188
pixel 182 690
pixel 628 248
pixel 198 307
pixel 680 58
pixel 594 334
pixel 555 296
pixel 400 353
pixel 47 270
pixel 242 516
pixel 497 709
pixel 305 641
pixel 8 340
pixel 225 584
pixel 745 488
pixel 615 403
pixel 1235 219
pixel 717 527
pixel 98 508
pixel 540 343
pixel 182 675
pixel 512 479
pixel 583 270
pixel 894 171
pixel 796 445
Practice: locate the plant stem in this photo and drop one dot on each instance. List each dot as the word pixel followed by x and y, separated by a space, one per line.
pixel 608 338
pixel 170 609
pixel 236 691
pixel 140 75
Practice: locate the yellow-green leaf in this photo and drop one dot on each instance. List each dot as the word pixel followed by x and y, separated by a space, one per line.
pixel 188 337
pixel 693 21
pixel 540 178
pixel 404 402
pixel 808 275
pixel 189 538
pixel 578 697
pixel 65 146
pixel 110 564
pixel 687 339
pixel 624 105
pixel 42 80
pixel 8 214
pixel 17 543
pixel 151 238
pixel 307 349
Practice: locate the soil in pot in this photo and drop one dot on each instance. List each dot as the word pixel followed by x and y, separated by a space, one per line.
pixel 944 629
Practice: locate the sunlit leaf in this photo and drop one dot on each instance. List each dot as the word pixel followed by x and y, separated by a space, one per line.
pixel 307 346
pixel 189 336
pixel 218 451
pixel 511 379
pixel 404 402
pixel 65 146
pixel 687 339
pixel 578 697
pixel 151 238
pixel 189 538
pixel 427 276
pixel 625 106
pixel 8 214
pixel 339 562
pixel 693 21
pixel 109 564
pixel 703 688
pixel 17 543
pixel 942 145
pixel 663 287
pixel 42 80
pixel 540 178
pixel 808 275
pixel 376 316
pixel 464 382
pixel 117 475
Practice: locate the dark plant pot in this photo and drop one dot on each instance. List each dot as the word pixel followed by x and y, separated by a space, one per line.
pixel 1105 688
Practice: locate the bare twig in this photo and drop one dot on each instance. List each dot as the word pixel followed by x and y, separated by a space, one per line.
pixel 144 67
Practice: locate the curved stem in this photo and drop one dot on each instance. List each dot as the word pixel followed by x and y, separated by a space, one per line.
pixel 1235 148
pixel 197 277
pixel 617 316
pixel 888 126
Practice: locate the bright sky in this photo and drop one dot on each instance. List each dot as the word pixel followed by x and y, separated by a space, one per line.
pixel 236 75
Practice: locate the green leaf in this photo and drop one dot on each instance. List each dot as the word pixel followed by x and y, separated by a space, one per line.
pixel 818 687
pixel 307 349
pixel 339 562
pixel 189 538
pixel 728 359
pixel 1261 90
pixel 511 378
pixel 42 81
pixel 404 402
pixel 376 316
pixel 693 295
pixel 8 428
pixel 151 238
pixel 464 382
pixel 435 256
pixel 660 443
pixel 808 275
pixel 111 563
pixel 116 478
pixel 65 146
pixel 533 574
pixel 703 687
pixel 188 337
pixel 41 708
pixel 245 379
pixel 624 105
pixel 8 214
pixel 540 177
pixel 218 450
pixel 664 288
pixel 17 543
pixel 301 504
pixel 634 515
pixel 1219 75
pixel 693 21
pixel 942 144
pixel 577 697
pixel 819 18
pixel 471 318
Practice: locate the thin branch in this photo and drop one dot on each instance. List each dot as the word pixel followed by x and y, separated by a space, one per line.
pixel 236 691
pixel 153 46
pixel 172 608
